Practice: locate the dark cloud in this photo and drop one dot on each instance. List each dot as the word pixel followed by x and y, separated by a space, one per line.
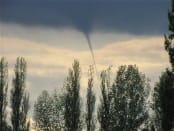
pixel 135 17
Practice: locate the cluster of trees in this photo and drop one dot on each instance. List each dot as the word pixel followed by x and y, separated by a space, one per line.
pixel 19 98
pixel 123 103
pixel 63 111
pixel 122 107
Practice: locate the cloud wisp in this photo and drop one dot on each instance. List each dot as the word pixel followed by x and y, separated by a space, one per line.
pixel 147 53
pixel 48 65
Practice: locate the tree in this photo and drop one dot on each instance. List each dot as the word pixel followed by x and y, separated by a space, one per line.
pixel 90 103
pixel 163 102
pixel 42 112
pixel 24 124
pixel 152 128
pixel 130 91
pixel 163 91
pixel 72 99
pixel 57 118
pixel 104 113
pixel 169 39
pixel 48 112
pixel 3 93
pixel 19 97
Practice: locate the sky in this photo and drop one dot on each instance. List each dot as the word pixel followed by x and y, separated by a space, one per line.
pixel 50 34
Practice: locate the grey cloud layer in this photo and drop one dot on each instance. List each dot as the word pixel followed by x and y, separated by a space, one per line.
pixel 58 38
pixel 134 17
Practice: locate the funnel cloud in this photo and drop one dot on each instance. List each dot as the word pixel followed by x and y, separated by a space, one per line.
pixel 89 15
pixel 91 50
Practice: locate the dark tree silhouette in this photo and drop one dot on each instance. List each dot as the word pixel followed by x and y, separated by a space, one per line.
pixel 104 114
pixel 169 43
pixel 19 98
pixel 72 99
pixel 3 93
pixel 152 128
pixel 164 89
pixel 163 102
pixel 24 123
pixel 90 103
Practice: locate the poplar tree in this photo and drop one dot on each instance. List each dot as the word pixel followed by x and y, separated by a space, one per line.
pixel 72 99
pixel 90 103
pixel 163 98
pixel 19 97
pixel 104 112
pixel 3 93
pixel 164 89
pixel 169 43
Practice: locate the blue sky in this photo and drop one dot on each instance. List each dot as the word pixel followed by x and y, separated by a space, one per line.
pixel 50 34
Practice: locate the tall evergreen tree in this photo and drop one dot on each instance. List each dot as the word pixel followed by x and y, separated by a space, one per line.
pixel 72 99
pixel 90 103
pixel 130 90
pixel 104 113
pixel 3 93
pixel 19 97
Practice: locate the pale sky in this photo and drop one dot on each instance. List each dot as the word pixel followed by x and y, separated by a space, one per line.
pixel 51 34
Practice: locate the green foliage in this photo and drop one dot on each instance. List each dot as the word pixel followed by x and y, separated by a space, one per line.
pixel 123 106
pixel 90 103
pixel 48 112
pixel 72 99
pixel 42 111
pixel 3 93
pixel 24 123
pixel 104 113
pixel 168 43
pixel 130 91
pixel 19 97
pixel 163 91
pixel 58 111
pixel 163 102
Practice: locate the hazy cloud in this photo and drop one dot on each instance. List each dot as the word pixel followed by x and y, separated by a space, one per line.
pixel 48 66
pixel 44 60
